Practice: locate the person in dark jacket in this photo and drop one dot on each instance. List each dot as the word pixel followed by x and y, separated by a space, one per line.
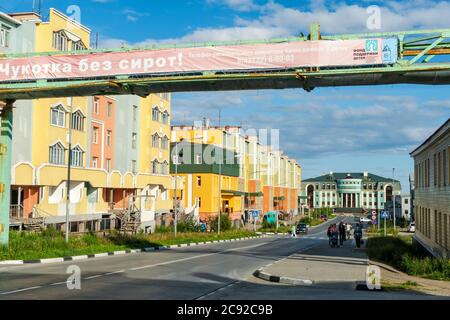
pixel 341 233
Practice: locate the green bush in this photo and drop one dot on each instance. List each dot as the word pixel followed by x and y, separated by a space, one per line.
pixel 225 223
pixel 403 255
pixel 267 225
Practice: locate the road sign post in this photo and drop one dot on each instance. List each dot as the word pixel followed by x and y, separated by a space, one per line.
pixel 384 215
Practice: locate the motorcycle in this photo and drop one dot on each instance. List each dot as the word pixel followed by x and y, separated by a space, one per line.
pixel 334 241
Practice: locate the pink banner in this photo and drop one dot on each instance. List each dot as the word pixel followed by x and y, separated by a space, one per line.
pixel 285 55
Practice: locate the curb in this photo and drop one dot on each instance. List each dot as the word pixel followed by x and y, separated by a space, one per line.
pixel 280 279
pixel 362 286
pixel 116 253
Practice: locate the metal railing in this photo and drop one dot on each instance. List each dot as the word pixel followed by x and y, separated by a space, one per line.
pixel 16 211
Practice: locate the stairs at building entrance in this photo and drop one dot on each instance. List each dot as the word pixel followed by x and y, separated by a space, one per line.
pixel 129 219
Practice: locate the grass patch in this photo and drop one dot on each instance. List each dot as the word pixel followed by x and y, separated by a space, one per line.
pixel 51 244
pixel 402 254
pixel 408 285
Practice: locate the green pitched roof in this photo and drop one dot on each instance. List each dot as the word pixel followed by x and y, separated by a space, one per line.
pixel 355 175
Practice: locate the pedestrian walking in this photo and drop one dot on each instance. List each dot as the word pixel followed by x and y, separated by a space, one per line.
pixel 358 235
pixel 348 227
pixel 341 233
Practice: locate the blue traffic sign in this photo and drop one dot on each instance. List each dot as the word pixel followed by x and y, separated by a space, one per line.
pixel 255 213
pixel 384 214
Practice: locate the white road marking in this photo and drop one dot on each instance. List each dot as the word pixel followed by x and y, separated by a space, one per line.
pixel 114 272
pixel 93 277
pixel 195 257
pixel 21 290
pixel 59 283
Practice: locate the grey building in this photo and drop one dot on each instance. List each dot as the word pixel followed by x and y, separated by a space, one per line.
pixel 432 191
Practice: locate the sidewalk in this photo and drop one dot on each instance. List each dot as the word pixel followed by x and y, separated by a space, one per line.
pixel 322 266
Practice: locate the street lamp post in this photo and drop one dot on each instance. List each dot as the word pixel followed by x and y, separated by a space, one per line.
pixel 175 195
pixel 69 138
pixel 393 194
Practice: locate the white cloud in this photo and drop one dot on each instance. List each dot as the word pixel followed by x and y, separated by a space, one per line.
pixel 276 20
pixel 237 5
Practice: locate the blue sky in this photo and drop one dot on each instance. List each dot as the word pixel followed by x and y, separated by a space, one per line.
pixel 329 129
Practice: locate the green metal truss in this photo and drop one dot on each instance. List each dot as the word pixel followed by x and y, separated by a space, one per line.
pixel 417 63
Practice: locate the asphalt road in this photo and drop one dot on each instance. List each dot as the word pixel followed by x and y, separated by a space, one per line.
pixel 215 271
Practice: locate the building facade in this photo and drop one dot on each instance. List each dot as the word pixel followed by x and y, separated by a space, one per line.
pixel 119 145
pixel 350 192
pixel 252 178
pixel 432 191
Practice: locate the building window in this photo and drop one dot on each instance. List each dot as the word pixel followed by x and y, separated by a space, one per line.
pixel 96 105
pixel 77 46
pixel 77 157
pixel 57 154
pixel 133 166
pixel 199 202
pixel 406 201
pixel 4 36
pixel 77 121
pixel 58 116
pixel 94 162
pixel 108 165
pixel 199 181
pixel 164 167
pixel 108 137
pixel 109 109
pixel 133 140
pixel 155 140
pixel 95 135
pixel 155 114
pixel 135 109
pixel 60 41
pixel 155 165
pixel 165 143
pixel 165 117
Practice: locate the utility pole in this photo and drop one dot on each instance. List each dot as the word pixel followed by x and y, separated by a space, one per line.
pixel 175 195
pixel 393 194
pixel 218 195
pixel 69 140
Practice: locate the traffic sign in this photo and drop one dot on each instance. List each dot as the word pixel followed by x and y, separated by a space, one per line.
pixel 384 214
pixel 255 213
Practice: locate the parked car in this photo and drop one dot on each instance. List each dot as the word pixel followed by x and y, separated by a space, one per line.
pixel 412 227
pixel 302 228
pixel 364 220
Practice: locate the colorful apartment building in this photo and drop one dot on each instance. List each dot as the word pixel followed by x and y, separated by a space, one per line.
pixel 119 145
pixel 245 186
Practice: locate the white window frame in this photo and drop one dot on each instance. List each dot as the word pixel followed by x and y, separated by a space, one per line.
pixel 96 105
pixel 155 166
pixel 60 41
pixel 134 140
pixel 165 143
pixel 155 140
pixel 94 162
pixel 77 157
pixel 155 114
pixel 108 165
pixel 60 115
pixel 77 121
pixel 57 154
pixel 4 36
pixel 108 137
pixel 95 131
